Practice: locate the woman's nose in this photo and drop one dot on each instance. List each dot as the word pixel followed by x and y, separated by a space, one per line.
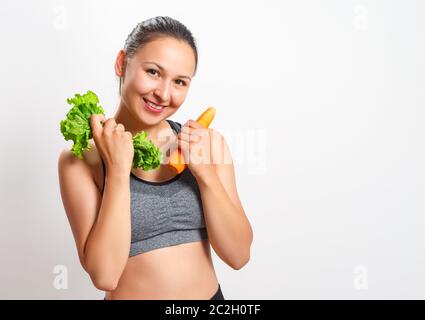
pixel 163 91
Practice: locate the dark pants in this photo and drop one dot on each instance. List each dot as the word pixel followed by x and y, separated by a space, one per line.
pixel 218 295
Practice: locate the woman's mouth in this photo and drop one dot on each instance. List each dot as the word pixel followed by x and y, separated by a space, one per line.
pixel 152 107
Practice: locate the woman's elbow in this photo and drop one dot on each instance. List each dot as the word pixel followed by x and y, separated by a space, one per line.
pixel 104 283
pixel 102 279
pixel 239 264
pixel 243 259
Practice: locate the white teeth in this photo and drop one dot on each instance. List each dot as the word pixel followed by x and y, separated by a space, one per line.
pixel 154 105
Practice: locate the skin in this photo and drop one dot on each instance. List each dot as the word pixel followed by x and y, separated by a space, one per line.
pixel 183 271
pixel 141 78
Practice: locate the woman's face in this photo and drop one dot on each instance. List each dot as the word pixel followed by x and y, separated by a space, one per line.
pixel 159 72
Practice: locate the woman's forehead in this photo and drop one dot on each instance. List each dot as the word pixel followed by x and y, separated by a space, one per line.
pixel 174 56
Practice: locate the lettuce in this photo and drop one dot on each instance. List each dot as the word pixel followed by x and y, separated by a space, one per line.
pixel 146 155
pixel 76 127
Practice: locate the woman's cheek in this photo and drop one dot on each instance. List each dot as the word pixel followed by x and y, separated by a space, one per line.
pixel 179 96
pixel 142 84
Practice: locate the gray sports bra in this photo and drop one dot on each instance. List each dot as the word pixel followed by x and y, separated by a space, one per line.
pixel 165 213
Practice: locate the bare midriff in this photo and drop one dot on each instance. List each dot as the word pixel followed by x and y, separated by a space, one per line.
pixel 184 271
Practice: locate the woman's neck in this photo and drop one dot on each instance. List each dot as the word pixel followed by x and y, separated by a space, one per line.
pixel 127 120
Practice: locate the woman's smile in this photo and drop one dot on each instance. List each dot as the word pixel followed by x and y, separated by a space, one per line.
pixel 150 106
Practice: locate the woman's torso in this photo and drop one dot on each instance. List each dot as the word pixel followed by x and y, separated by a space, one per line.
pixel 183 271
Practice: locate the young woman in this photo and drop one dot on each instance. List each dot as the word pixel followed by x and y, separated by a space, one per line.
pixel 147 234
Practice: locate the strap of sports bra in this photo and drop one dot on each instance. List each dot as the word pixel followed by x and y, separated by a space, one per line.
pixel 176 126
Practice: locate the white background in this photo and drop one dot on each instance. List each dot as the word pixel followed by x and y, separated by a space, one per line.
pixel 322 103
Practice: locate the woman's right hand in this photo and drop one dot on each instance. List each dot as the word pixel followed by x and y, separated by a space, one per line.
pixel 115 145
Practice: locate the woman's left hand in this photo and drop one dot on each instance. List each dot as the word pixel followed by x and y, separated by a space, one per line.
pixel 195 143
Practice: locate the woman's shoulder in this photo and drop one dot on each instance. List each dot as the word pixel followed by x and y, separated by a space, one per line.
pixel 91 164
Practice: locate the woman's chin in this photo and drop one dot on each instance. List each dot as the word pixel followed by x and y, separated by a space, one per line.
pixel 147 119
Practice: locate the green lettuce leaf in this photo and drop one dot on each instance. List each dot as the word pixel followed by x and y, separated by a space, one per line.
pixel 76 126
pixel 146 155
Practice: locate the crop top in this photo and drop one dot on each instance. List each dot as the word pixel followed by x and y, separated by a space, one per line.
pixel 165 213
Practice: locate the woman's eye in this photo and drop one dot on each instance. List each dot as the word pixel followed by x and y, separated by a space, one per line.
pixel 181 82
pixel 149 71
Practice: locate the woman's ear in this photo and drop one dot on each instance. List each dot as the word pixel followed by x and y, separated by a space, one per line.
pixel 120 64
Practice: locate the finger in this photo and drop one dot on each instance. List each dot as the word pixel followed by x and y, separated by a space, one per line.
pixel 192 137
pixel 195 138
pixel 185 128
pixel 196 134
pixel 119 127
pixel 183 136
pixel 184 148
pixel 194 124
pixel 96 123
pixel 110 124
pixel 191 130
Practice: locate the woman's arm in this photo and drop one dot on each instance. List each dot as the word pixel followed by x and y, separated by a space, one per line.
pixel 101 225
pixel 229 230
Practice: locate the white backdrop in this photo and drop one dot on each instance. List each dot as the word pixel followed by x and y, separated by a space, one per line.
pixel 322 103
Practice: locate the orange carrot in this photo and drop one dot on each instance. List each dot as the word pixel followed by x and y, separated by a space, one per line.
pixel 176 159
pixel 206 117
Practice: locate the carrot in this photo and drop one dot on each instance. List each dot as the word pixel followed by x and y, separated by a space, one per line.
pixel 176 159
pixel 206 117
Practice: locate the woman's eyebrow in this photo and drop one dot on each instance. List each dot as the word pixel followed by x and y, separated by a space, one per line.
pixel 162 68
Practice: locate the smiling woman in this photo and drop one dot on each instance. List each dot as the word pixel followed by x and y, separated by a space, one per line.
pixel 147 234
pixel 155 68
